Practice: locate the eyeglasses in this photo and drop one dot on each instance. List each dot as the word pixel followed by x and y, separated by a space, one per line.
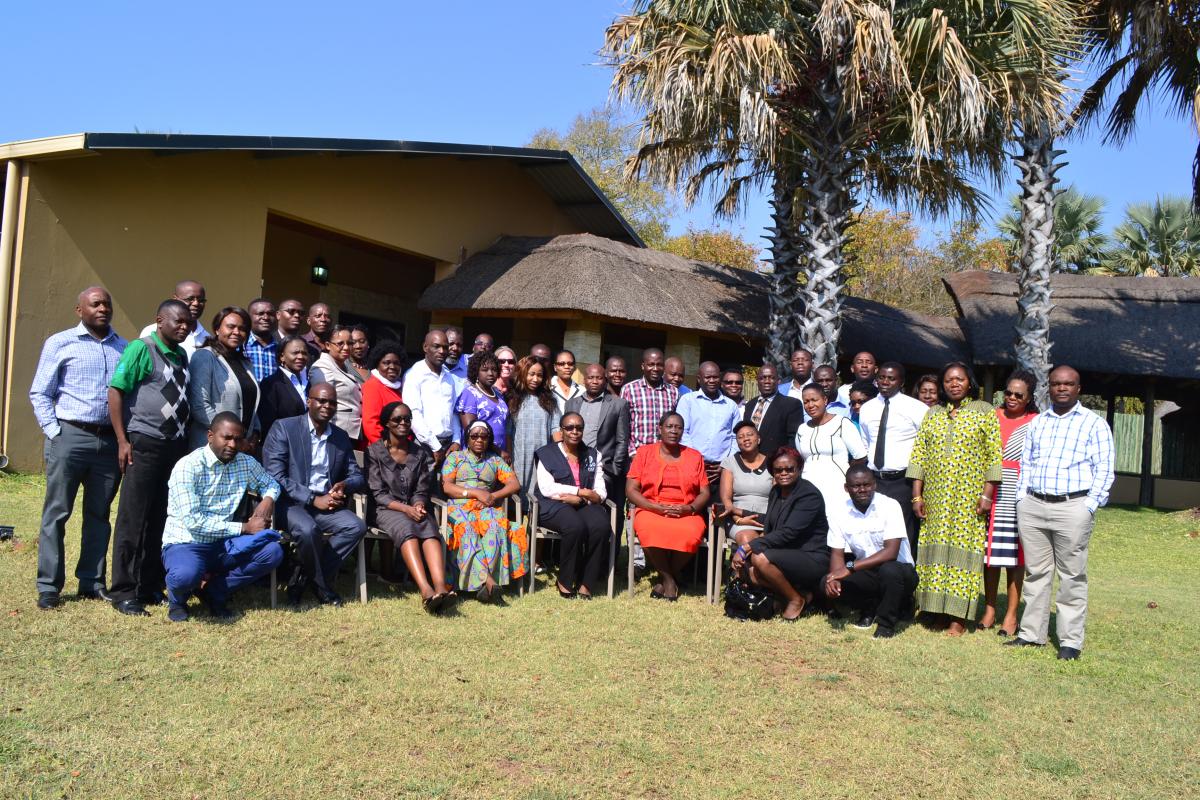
pixel 564 363
pixel 1017 395
pixel 398 420
pixel 572 427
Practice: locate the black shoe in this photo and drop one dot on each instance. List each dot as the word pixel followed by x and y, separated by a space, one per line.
pixel 1068 654
pixel 865 621
pixel 177 613
pixel 99 593
pixel 331 599
pixel 221 612
pixel 583 596
pixel 884 633
pixel 566 595
pixel 295 593
pixel 157 599
pixel 1019 642
pixel 48 601
pixel 131 608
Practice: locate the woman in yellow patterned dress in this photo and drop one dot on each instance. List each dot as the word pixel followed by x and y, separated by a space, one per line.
pixel 490 552
pixel 955 468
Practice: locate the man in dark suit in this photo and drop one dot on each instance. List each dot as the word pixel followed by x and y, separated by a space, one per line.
pixel 776 415
pixel 283 393
pixel 605 427
pixel 313 461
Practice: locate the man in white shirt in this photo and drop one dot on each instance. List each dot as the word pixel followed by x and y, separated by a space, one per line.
pixel 878 576
pixel 430 392
pixel 191 294
pixel 802 367
pixel 898 417
pixel 862 368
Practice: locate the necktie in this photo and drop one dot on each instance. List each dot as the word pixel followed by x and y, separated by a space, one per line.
pixel 879 444
pixel 759 410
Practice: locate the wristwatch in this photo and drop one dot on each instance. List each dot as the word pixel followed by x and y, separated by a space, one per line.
pixel 850 566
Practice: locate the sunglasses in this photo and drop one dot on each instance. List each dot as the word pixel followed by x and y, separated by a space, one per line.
pixel 291 311
pixel 783 470
pixel 322 402
pixel 1017 395
pixel 398 420
pixel 564 363
pixel 478 436
pixel 572 427
pixel 507 360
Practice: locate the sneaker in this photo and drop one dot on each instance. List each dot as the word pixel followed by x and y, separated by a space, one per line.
pixel 177 613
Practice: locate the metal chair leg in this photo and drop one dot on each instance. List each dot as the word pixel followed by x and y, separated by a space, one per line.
pixel 362 570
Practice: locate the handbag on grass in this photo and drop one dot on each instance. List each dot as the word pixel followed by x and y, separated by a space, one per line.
pixel 748 602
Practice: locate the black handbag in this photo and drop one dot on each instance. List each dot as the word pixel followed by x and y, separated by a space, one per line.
pixel 745 601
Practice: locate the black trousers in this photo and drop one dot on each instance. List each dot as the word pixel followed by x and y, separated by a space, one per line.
pixel 900 490
pixel 586 533
pixel 321 558
pixel 882 591
pixel 137 570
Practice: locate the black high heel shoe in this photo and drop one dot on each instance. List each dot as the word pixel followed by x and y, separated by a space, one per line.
pixel 565 595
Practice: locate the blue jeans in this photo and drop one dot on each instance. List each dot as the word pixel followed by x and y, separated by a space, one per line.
pixel 187 564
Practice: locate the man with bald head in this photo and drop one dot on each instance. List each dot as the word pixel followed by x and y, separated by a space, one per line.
pixel 605 427
pixel 864 367
pixel 312 460
pixel 708 420
pixel 776 415
pixel 674 374
pixel 70 400
pixel 1066 472
pixel 191 294
pixel 431 392
pixel 320 323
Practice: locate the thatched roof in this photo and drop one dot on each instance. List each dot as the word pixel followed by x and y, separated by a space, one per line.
pixel 590 274
pixel 1117 326
pixel 593 275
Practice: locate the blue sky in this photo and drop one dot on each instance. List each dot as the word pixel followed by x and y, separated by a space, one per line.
pixel 470 72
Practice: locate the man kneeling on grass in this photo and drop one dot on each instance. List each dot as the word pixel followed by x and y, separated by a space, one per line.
pixel 880 579
pixel 205 550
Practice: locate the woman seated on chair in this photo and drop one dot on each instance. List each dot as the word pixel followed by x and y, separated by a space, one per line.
pixel 401 475
pixel 570 492
pixel 791 556
pixel 668 487
pixel 745 485
pixel 489 551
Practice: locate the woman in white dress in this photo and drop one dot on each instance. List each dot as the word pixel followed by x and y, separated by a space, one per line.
pixel 829 443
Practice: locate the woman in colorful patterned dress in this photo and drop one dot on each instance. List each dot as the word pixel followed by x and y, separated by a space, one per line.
pixel 955 468
pixel 489 552
pixel 1003 547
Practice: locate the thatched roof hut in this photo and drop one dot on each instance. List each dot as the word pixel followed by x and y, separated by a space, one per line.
pixel 1119 331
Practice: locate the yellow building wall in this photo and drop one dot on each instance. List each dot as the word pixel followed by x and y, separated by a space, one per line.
pixel 137 223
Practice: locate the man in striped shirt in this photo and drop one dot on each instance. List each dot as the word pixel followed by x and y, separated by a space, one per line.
pixel 1066 471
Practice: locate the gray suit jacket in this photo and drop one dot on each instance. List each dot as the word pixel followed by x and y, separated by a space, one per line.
pixel 213 388
pixel 612 439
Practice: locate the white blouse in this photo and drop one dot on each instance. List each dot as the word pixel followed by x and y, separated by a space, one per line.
pixel 549 487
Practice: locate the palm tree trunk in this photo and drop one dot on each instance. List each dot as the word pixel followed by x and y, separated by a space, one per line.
pixel 1196 181
pixel 1037 165
pixel 785 307
pixel 824 206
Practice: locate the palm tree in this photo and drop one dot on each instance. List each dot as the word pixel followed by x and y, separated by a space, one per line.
pixel 829 102
pixel 1079 244
pixel 1143 48
pixel 1156 240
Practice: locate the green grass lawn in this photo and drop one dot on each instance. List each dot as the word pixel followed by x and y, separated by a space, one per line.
pixel 634 698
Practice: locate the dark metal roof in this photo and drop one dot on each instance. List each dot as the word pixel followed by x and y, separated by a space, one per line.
pixel 555 171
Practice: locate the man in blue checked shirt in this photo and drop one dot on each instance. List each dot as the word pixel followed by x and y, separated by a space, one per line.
pixel 708 420
pixel 70 400
pixel 1066 471
pixel 205 548
pixel 262 348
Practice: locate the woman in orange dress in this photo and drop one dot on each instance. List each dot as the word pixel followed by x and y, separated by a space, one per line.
pixel 668 487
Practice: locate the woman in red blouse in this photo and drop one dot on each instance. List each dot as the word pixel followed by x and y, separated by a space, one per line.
pixel 669 489
pixel 386 360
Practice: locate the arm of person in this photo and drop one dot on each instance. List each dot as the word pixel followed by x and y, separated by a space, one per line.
pixel 725 492
pixel 621 455
pixel 1026 460
pixel 377 484
pixel 116 415
pixel 185 502
pixel 355 481
pixel 633 493
pixel 44 390
pixel 1101 455
pixel 201 402
pixel 549 487
pixel 554 423
pixel 916 467
pixel 132 368
pixel 415 402
pixel 791 528
pixel 276 458
pixel 994 473
pixel 855 449
pixel 837 565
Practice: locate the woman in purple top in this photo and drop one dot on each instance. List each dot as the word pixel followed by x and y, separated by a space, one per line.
pixel 479 400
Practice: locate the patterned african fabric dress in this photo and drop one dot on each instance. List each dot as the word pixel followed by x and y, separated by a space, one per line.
pixel 955 454
pixel 1003 546
pixel 481 537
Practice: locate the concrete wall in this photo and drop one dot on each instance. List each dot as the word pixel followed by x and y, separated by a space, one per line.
pixel 1168 494
pixel 137 223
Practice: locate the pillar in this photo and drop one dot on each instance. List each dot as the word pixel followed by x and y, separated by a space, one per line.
pixel 584 338
pixel 1146 489
pixel 989 385
pixel 685 345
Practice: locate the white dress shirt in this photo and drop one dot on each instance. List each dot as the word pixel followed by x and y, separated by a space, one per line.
pixel 549 487
pixel 864 533
pixel 904 420
pixel 195 339
pixel 431 396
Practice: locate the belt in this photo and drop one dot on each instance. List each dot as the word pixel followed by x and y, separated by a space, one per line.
pixel 890 474
pixel 1059 498
pixel 90 427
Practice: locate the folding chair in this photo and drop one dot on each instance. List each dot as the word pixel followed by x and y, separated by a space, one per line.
pixel 707 542
pixel 536 532
pixel 360 508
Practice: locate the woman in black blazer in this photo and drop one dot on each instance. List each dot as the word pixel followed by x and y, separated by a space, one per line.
pixel 284 390
pixel 791 556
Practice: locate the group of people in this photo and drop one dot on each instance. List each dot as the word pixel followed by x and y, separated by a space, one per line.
pixel 229 445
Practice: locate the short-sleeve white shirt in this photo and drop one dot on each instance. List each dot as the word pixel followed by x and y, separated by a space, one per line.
pixel 865 532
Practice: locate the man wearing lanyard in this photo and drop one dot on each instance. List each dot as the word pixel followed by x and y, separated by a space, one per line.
pixel 708 420
pixel 70 400
pixel 1066 472
pixel 889 425
pixel 430 392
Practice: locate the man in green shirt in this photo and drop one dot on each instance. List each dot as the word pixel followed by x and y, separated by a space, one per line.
pixel 147 404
